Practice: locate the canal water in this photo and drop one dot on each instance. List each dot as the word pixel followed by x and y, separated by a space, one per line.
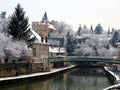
pixel 74 79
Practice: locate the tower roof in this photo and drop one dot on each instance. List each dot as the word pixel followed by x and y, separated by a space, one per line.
pixel 45 21
pixel 45 18
pixel 45 15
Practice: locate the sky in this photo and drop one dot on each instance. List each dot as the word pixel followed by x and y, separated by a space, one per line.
pixel 73 12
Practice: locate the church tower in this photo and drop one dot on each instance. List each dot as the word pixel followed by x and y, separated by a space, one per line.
pixel 42 28
pixel 45 18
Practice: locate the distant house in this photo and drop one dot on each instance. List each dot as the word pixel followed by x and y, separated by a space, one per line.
pixel 56 47
pixel 57 50
pixel 45 47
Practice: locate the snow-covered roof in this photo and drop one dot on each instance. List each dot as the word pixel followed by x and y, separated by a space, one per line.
pixel 37 37
pixel 62 50
pixel 57 49
pixel 118 43
pixel 53 50
pixel 51 27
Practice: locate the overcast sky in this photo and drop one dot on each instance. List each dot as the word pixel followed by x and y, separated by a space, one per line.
pixel 74 12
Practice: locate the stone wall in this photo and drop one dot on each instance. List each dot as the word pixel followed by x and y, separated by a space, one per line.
pixel 13 70
pixel 7 73
pixel 39 67
pixel 40 60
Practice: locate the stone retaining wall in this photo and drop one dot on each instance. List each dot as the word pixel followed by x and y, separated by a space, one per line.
pixel 8 70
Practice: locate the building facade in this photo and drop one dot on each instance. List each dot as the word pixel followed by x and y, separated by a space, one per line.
pixel 40 47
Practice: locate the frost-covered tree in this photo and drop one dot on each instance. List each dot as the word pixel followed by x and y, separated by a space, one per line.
pixel 108 31
pixel 12 50
pixel 61 30
pixel 98 29
pixel 97 45
pixel 115 38
pixel 61 27
pixel 79 30
pixel 64 28
pixel 91 29
pixel 85 27
pixel 113 30
pixel 18 26
pixel 70 42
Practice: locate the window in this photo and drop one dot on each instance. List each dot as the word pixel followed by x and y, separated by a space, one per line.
pixel 34 51
pixel 46 40
pixel 41 39
pixel 35 29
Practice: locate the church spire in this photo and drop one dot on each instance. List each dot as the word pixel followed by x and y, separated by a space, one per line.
pixel 45 18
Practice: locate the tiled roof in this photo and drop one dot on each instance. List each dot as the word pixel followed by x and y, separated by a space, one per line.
pixel 56 41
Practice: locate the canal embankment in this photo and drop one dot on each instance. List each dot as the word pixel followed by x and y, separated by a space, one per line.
pixel 113 78
pixel 83 78
pixel 34 75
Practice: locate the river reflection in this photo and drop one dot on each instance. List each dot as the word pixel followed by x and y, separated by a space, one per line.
pixel 75 79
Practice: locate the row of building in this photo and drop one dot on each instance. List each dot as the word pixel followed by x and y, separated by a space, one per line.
pixel 44 48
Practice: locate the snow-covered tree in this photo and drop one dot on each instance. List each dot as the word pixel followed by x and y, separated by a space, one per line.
pixel 113 30
pixel 98 29
pixel 85 30
pixel 79 30
pixel 91 28
pixel 70 42
pixel 12 50
pixel 116 37
pixel 108 31
pixel 97 45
